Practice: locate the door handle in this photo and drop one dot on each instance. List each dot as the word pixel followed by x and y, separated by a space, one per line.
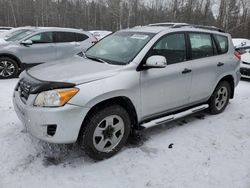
pixel 186 71
pixel 220 64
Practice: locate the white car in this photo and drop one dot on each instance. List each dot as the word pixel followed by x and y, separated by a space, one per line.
pixel 100 34
pixel 3 29
pixel 240 42
pixel 245 64
pixel 14 31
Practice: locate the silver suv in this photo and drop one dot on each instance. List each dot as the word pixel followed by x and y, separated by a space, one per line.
pixel 133 79
pixel 34 46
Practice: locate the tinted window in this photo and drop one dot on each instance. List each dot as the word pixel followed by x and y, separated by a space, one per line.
pixel 81 37
pixel 45 37
pixel 172 46
pixel 201 45
pixel 223 43
pixel 64 37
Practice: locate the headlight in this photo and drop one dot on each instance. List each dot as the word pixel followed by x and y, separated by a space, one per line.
pixel 55 98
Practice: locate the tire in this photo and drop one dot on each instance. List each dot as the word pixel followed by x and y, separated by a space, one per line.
pixel 220 98
pixel 105 132
pixel 8 68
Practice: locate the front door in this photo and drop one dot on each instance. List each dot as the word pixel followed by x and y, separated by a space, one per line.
pixel 42 49
pixel 166 88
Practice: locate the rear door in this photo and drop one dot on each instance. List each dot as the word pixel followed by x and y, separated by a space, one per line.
pixel 84 41
pixel 206 65
pixel 42 50
pixel 66 44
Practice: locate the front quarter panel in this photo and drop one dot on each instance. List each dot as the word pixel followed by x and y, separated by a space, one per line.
pixel 124 84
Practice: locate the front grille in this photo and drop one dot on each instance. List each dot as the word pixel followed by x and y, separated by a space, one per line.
pixel 24 89
pixel 245 71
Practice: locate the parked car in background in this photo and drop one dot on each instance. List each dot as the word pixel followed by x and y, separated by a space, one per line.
pixel 3 29
pixel 245 58
pixel 8 33
pixel 240 42
pixel 13 32
pixel 100 34
pixel 133 79
pixel 40 45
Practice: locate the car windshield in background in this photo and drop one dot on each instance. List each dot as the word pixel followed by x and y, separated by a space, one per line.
pixel 20 35
pixel 243 50
pixel 15 33
pixel 119 48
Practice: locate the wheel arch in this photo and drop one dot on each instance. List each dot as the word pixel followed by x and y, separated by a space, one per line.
pixel 230 80
pixel 123 101
pixel 12 57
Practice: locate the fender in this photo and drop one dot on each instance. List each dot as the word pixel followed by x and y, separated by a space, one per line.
pixel 14 58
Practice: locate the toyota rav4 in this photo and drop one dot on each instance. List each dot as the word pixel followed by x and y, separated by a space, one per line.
pixel 133 79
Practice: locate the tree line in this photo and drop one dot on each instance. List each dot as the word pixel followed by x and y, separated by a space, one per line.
pixel 231 15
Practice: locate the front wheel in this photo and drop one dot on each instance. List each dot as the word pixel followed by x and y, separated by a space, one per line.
pixel 105 132
pixel 8 68
pixel 220 98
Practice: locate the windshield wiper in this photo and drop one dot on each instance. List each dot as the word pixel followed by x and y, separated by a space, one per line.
pixel 97 59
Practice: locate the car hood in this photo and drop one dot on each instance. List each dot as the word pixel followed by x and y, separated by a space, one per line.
pixel 6 45
pixel 75 70
pixel 3 42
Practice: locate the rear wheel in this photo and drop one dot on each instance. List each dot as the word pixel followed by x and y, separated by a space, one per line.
pixel 8 68
pixel 220 98
pixel 106 131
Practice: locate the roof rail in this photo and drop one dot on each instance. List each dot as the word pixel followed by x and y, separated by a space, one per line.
pixel 213 28
pixel 179 25
pixel 168 24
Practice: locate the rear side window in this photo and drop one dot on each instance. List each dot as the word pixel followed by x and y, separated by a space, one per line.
pixel 171 46
pixel 81 37
pixel 64 37
pixel 223 43
pixel 201 45
pixel 46 37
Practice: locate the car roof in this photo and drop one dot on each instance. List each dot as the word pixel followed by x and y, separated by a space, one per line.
pixel 5 28
pixel 101 31
pixel 58 29
pixel 159 27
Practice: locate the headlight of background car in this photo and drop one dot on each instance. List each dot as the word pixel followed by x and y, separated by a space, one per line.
pixel 55 98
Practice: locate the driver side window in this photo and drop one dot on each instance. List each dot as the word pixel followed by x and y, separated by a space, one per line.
pixel 172 47
pixel 46 37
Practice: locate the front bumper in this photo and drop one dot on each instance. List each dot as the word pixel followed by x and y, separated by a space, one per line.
pixel 68 119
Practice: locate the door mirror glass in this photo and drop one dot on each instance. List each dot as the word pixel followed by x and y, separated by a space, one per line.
pixel 27 42
pixel 156 61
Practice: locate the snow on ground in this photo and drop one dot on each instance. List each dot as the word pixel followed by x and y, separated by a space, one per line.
pixel 208 151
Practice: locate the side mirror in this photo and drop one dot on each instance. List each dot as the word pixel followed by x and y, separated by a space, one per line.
pixel 156 61
pixel 27 42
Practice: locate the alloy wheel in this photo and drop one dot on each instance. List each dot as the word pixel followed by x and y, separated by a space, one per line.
pixel 221 98
pixel 7 69
pixel 108 133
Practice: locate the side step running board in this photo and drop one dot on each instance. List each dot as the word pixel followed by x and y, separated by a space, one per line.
pixel 174 116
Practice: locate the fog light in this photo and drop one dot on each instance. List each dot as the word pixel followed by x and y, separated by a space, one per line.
pixel 51 130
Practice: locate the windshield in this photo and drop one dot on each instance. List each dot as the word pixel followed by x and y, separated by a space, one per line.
pixel 119 48
pixel 20 35
pixel 13 33
pixel 243 50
